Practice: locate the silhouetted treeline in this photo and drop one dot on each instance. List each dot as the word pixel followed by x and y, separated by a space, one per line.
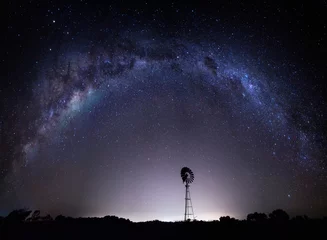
pixel 26 224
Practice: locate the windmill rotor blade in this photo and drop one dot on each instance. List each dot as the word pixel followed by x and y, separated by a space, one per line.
pixel 187 175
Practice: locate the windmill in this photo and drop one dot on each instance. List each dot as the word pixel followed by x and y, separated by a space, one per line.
pixel 187 177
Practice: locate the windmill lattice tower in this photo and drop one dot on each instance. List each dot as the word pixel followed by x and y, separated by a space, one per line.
pixel 188 177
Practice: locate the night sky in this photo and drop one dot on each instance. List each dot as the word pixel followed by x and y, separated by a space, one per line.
pixel 103 104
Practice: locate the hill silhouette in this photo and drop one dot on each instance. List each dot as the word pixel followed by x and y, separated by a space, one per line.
pixel 26 224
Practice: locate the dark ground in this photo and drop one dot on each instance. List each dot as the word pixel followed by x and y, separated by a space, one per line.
pixel 117 228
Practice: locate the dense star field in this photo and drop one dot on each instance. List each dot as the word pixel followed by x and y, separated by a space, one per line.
pixel 103 105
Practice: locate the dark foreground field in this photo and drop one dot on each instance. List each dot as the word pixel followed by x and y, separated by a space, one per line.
pixel 117 228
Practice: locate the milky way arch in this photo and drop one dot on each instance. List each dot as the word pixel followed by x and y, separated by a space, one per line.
pixel 243 89
pixel 76 78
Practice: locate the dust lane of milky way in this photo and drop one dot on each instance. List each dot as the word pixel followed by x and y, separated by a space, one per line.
pixel 233 91
pixel 80 78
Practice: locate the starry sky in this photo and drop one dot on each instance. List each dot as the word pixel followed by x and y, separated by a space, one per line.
pixel 104 103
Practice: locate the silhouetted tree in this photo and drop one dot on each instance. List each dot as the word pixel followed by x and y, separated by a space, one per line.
pixel 227 219
pixel 46 218
pixel 60 218
pixel 224 218
pixel 279 215
pixel 110 218
pixel 18 215
pixel 35 216
pixel 256 217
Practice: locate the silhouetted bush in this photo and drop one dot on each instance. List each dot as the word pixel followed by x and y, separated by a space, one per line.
pixel 35 216
pixel 60 218
pixel 256 217
pixel 227 219
pixel 277 227
pixel 46 218
pixel 115 219
pixel 18 215
pixel 279 215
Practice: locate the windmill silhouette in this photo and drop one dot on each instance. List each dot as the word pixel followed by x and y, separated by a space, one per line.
pixel 188 177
